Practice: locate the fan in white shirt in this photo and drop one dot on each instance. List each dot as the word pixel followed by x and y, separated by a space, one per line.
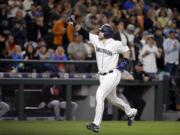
pixel 148 56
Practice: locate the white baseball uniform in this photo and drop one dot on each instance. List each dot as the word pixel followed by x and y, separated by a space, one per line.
pixel 107 55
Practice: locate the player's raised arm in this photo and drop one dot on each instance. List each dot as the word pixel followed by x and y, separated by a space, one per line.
pixel 86 35
pixel 79 29
pixel 82 31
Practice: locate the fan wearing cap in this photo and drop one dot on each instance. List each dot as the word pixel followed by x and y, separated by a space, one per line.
pixel 139 73
pixel 37 27
pixel 135 96
pixel 145 36
pixel 148 55
pixel 171 51
pixel 107 52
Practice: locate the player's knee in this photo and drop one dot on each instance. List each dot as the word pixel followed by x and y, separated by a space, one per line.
pixel 99 95
pixel 55 103
pixel 63 104
pixel 113 100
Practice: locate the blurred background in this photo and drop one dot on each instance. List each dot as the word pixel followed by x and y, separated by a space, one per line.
pixel 38 45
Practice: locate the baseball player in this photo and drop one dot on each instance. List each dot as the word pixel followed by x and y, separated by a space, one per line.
pixel 107 54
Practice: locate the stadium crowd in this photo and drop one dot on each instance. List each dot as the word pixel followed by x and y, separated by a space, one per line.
pixel 40 30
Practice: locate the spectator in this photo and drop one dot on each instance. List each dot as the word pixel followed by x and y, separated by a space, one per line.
pixel 55 12
pixel 77 51
pixel 139 73
pixel 171 51
pixel 118 15
pixel 126 75
pixel 58 31
pixel 140 18
pixel 30 15
pixel 165 9
pixel 158 37
pixel 42 50
pixel 67 7
pixel 130 32
pixel 51 56
pixel 5 26
pixel 42 54
pixel 90 18
pixel 38 28
pixel 30 54
pixel 60 55
pixel 148 56
pixel 53 96
pixel 17 55
pixel 30 51
pixel 27 4
pixel 10 45
pixel 62 32
pixel 163 19
pixel 144 38
pixel 121 34
pixel 128 5
pixel 137 27
pixel 19 33
pixel 19 28
pixel 81 7
pixel 13 8
pixel 149 19
pixel 135 97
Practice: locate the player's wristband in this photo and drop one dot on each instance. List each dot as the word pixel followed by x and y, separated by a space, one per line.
pixel 126 61
pixel 84 33
pixel 122 65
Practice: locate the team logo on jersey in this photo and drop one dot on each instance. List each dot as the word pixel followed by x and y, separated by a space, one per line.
pixel 104 51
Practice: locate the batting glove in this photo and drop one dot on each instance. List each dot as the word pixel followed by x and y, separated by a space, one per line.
pixel 122 65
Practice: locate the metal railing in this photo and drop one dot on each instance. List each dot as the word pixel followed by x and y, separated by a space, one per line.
pixel 49 61
pixel 70 79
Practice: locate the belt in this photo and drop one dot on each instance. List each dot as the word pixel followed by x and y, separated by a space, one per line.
pixel 105 73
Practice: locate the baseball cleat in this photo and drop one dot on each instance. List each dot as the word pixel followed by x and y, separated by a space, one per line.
pixel 93 127
pixel 131 118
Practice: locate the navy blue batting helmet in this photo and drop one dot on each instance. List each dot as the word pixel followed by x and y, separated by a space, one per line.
pixel 107 30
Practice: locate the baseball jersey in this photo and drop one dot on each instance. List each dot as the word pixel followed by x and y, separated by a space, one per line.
pixel 107 53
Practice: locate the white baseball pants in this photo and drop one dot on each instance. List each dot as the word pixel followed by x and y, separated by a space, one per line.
pixel 57 105
pixel 107 89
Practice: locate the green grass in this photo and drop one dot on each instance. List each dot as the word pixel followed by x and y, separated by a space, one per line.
pixel 78 128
